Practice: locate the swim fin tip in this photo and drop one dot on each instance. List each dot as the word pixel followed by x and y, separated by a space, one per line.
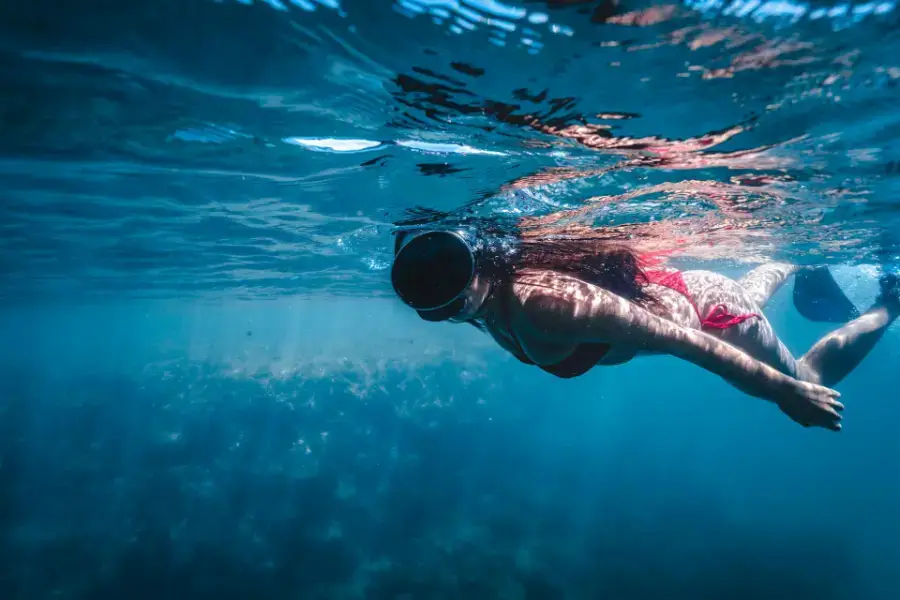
pixel 819 298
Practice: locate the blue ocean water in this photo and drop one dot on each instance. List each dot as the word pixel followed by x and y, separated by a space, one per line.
pixel 207 389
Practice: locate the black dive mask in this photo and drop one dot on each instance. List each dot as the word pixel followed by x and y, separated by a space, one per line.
pixel 435 273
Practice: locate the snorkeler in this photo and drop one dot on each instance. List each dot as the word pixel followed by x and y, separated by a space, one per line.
pixel 567 306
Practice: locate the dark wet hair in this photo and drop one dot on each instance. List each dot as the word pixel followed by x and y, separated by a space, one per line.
pixel 505 252
pixel 609 265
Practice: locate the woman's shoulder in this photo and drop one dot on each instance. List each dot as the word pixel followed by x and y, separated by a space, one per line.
pixel 549 289
pixel 532 281
pixel 546 277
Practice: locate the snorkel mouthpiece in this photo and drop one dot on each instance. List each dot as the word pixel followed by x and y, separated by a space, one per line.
pixel 431 273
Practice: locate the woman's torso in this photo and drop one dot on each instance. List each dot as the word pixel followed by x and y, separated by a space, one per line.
pixel 704 288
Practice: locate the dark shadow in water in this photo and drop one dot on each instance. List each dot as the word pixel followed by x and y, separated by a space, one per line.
pixel 439 169
pixel 468 69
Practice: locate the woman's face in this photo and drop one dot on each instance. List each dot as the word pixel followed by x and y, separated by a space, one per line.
pixel 475 296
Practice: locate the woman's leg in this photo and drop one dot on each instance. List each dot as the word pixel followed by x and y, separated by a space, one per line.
pixel 830 360
pixel 763 281
pixel 835 355
pixel 817 296
pixel 754 336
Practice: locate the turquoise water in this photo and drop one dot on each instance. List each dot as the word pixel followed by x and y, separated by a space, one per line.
pixel 207 389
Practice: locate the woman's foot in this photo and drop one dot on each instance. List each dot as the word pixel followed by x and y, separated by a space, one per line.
pixel 889 297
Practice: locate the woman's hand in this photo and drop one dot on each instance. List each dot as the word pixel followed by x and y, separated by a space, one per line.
pixel 809 404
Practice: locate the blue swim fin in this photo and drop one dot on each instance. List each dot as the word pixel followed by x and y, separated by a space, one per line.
pixel 819 298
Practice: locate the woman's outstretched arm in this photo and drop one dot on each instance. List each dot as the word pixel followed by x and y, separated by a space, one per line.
pixel 554 306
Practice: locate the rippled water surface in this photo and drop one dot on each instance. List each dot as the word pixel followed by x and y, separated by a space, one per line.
pixel 266 148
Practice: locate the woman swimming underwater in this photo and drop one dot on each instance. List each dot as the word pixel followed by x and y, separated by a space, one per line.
pixel 567 306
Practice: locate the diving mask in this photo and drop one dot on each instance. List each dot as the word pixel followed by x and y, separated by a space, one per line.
pixel 436 273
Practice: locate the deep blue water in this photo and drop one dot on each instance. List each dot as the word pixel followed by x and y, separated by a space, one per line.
pixel 208 391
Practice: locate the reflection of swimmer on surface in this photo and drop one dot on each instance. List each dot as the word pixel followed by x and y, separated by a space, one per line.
pixel 568 305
